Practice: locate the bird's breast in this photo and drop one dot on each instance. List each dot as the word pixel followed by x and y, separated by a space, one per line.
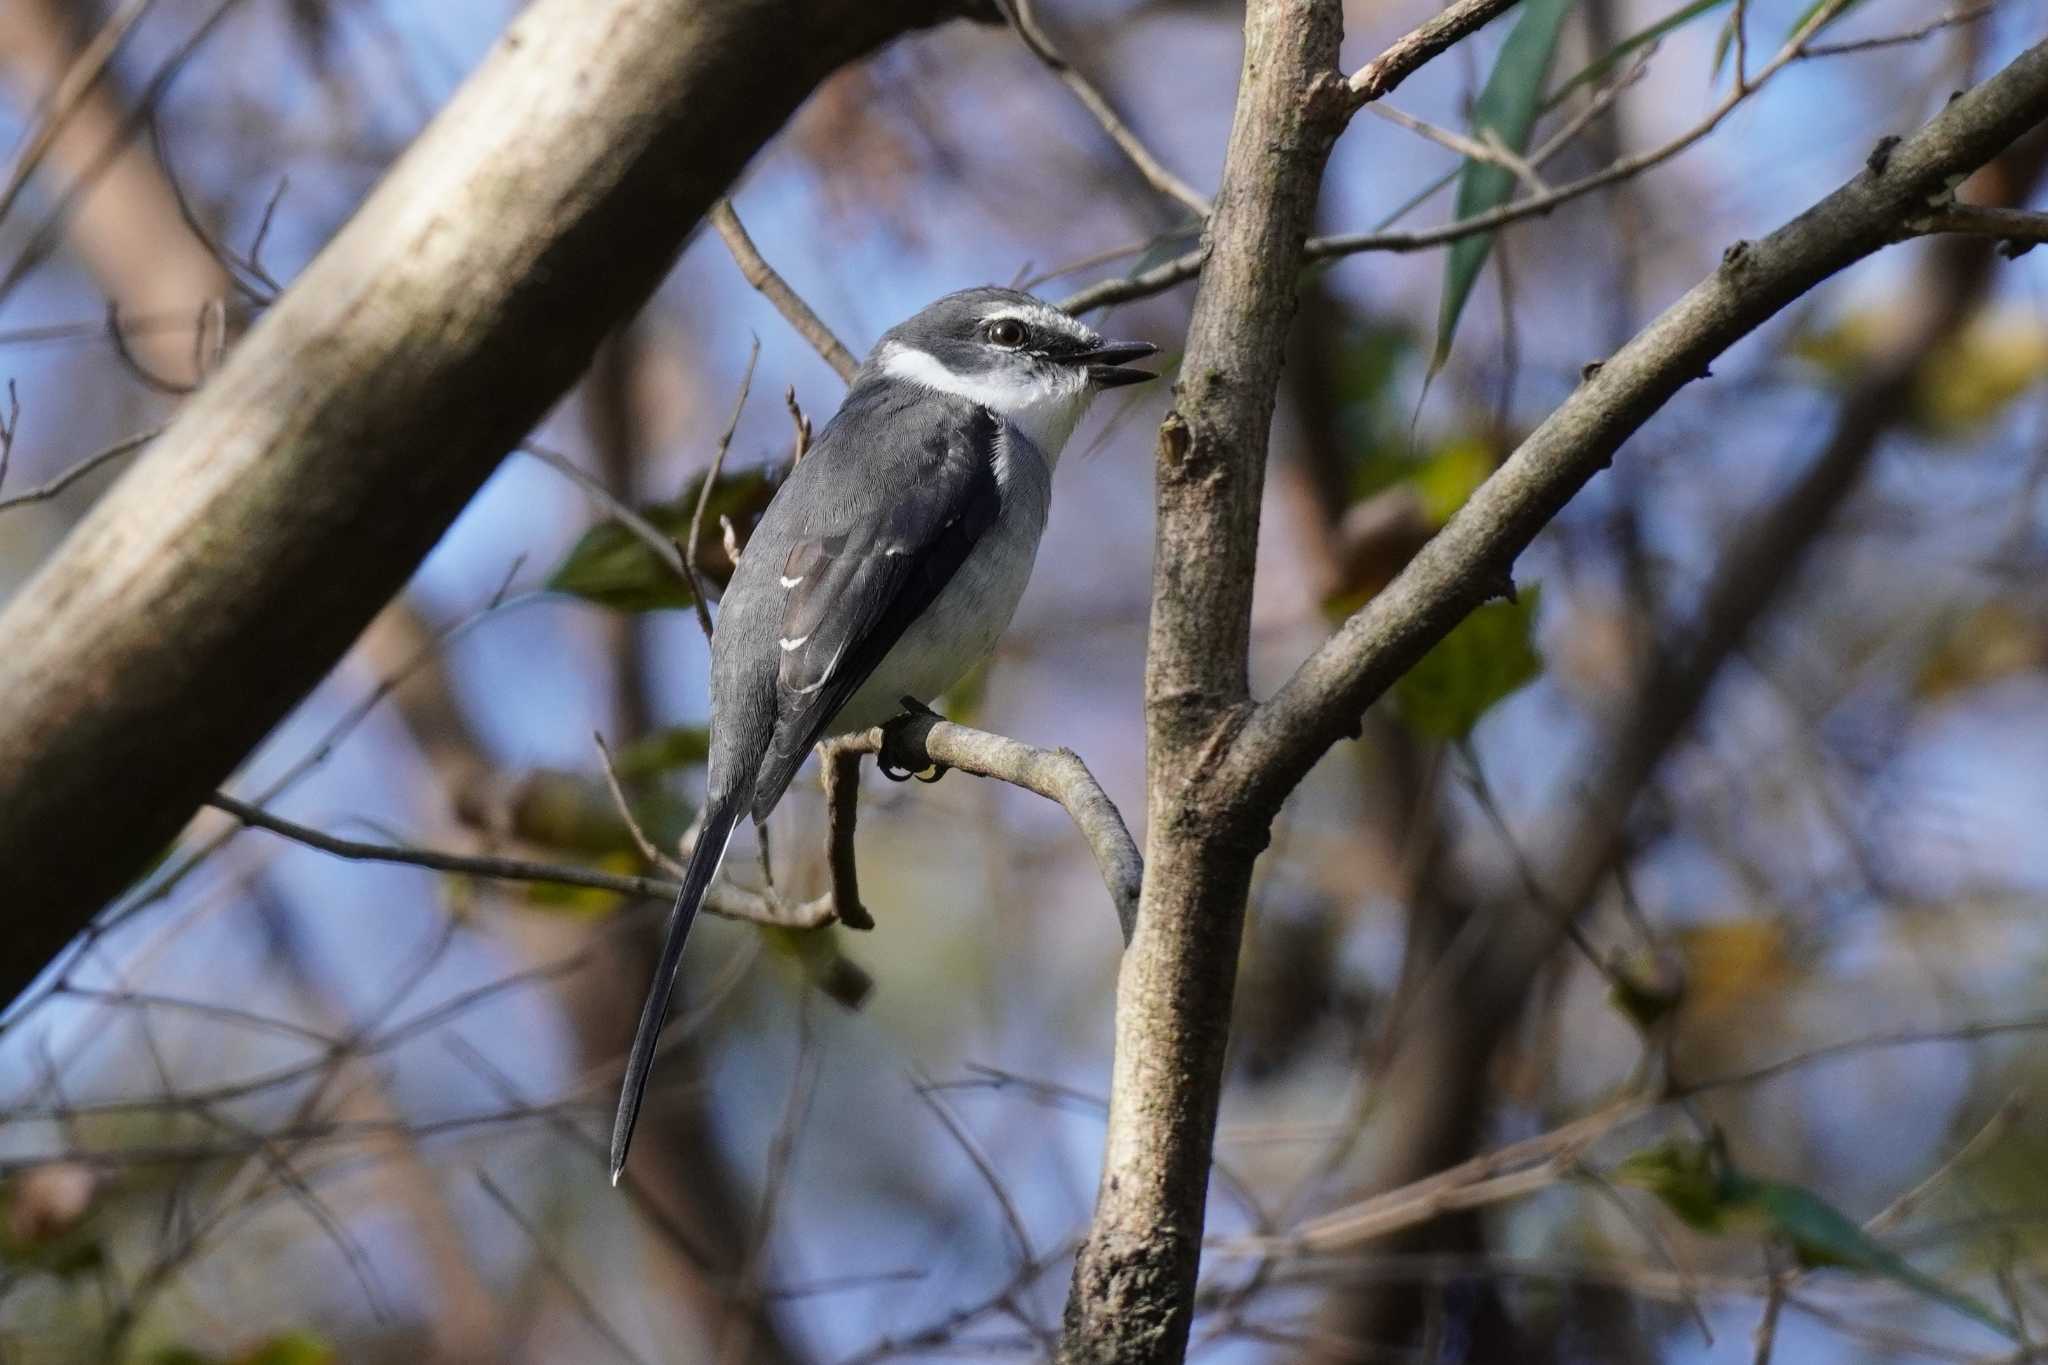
pixel 961 626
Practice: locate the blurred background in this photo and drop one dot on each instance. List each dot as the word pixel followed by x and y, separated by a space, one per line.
pixel 282 1107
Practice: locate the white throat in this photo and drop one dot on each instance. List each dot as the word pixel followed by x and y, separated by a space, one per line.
pixel 1046 408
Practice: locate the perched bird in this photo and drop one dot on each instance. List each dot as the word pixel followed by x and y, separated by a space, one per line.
pixel 886 565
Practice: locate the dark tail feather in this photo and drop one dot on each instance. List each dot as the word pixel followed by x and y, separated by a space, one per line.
pixel 719 821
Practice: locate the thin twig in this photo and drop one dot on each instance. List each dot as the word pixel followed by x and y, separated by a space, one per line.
pixel 1492 152
pixel 43 492
pixel 755 268
pixel 725 900
pixel 2019 230
pixel 689 553
pixel 8 426
pixel 586 1308
pixel 840 773
pixel 652 854
pixel 1189 264
pixel 1024 19
pixel 615 507
pixel 1383 73
pixel 1913 35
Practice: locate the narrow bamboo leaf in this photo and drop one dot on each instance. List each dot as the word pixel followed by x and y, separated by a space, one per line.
pixel 1605 63
pixel 1506 109
pixel 1697 1182
pixel 1822 1235
pixel 1806 15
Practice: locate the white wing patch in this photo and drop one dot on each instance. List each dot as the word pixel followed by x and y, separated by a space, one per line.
pixel 789 644
pixel 788 582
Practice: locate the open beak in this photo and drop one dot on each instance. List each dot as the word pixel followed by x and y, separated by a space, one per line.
pixel 1106 363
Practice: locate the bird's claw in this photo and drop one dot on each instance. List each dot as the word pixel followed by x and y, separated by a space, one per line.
pixel 913 709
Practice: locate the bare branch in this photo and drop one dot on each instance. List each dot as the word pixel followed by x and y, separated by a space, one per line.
pixel 618 509
pixel 755 268
pixel 1469 559
pixel 2017 230
pixel 724 900
pixel 839 770
pixel 1024 19
pixel 711 481
pixel 1424 45
pixel 915 743
pixel 43 492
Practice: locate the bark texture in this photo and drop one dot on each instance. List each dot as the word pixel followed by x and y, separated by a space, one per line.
pixel 1220 767
pixel 235 563
pixel 1134 1278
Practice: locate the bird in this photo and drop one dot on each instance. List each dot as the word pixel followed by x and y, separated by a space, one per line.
pixel 886 565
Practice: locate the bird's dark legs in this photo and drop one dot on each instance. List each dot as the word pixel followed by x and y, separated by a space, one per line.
pixel 913 710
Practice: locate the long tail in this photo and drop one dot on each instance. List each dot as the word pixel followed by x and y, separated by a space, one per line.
pixel 719 820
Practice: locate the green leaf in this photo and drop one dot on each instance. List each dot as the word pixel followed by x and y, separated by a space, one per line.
pixel 663 751
pixel 292 1348
pixel 1605 63
pixel 817 955
pixel 1806 16
pixel 1506 109
pixel 1690 1177
pixel 1487 656
pixel 613 567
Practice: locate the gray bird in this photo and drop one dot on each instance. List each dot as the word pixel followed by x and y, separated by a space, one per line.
pixel 886 565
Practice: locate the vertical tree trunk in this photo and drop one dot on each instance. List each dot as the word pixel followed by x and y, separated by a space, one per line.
pixel 1133 1282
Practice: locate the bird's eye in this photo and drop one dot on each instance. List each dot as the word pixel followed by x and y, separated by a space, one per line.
pixel 1007 333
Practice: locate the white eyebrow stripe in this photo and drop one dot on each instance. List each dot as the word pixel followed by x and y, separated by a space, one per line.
pixel 1044 317
pixel 797 643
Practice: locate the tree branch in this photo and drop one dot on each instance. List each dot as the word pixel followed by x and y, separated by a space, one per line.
pixel 839 770
pixel 918 742
pixel 1445 30
pixel 1024 18
pixel 1133 1288
pixel 1469 560
pixel 798 314
pixel 725 899
pixel 295 492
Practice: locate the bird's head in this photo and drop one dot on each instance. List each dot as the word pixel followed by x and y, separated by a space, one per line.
pixel 1017 355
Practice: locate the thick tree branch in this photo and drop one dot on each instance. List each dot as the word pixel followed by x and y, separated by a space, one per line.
pixel 1133 1289
pixel 1470 559
pixel 298 489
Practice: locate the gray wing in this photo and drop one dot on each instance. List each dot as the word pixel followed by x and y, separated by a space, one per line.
pixel 851 592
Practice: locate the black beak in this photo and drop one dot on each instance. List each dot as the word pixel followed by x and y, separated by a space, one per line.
pixel 1105 363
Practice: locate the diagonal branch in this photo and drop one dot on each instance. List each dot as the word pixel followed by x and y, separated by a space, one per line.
pixel 1024 18
pixel 295 493
pixel 764 277
pixel 1470 559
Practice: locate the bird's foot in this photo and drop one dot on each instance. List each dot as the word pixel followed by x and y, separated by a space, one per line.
pixel 913 709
